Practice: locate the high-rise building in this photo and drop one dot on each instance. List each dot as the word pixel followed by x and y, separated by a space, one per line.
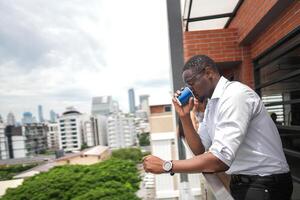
pixel 102 105
pixel 121 130
pixel 16 142
pixel 76 130
pixel 53 116
pixel 144 102
pixel 52 136
pixel 131 97
pixel 40 112
pixel 11 120
pixel 3 142
pixel 70 137
pixel 36 138
pixel 100 129
pixel 28 118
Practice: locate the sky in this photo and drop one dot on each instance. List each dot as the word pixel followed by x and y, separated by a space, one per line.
pixel 62 53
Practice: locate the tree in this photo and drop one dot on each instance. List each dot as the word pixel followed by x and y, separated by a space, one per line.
pixel 144 139
pixel 8 172
pixel 133 154
pixel 110 179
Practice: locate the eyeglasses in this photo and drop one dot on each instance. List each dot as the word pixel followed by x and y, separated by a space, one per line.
pixel 190 79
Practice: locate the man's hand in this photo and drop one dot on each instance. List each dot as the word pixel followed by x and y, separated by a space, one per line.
pixel 182 110
pixel 153 164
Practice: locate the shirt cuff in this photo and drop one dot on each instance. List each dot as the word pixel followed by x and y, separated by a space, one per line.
pixel 222 152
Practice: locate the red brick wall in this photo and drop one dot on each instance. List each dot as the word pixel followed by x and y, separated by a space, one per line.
pixel 249 14
pixel 221 45
pixel 158 108
pixel 285 23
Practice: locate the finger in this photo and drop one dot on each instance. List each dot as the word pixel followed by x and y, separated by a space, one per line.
pixel 191 103
pixel 145 158
pixel 196 101
pixel 196 104
pixel 175 102
pixel 178 92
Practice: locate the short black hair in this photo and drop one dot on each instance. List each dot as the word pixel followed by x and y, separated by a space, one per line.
pixel 198 62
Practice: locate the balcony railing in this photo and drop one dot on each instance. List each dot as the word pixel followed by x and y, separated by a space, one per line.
pixel 218 187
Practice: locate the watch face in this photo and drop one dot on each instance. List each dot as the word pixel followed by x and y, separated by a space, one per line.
pixel 167 166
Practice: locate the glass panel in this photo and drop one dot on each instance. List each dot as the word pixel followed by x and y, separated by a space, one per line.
pixel 280 67
pixel 201 8
pixel 208 24
pixel 287 114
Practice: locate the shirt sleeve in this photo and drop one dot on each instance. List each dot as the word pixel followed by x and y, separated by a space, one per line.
pixel 232 121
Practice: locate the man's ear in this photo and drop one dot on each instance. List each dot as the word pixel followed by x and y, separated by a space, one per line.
pixel 209 73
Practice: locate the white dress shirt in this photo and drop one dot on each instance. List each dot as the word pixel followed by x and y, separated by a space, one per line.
pixel 238 130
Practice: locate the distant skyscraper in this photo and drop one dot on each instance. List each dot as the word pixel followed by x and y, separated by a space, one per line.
pixel 102 105
pixel 1 120
pixel 40 112
pixel 53 116
pixel 131 100
pixel 28 118
pixel 11 120
pixel 144 103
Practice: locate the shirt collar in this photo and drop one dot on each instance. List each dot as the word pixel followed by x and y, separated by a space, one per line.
pixel 218 91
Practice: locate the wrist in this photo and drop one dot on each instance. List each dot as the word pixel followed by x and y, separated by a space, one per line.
pixel 186 116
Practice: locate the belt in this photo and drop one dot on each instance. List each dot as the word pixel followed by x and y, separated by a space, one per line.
pixel 241 178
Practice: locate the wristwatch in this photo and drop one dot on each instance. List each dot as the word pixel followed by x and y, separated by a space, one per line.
pixel 167 166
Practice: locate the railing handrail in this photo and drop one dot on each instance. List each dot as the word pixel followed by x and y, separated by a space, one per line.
pixel 217 187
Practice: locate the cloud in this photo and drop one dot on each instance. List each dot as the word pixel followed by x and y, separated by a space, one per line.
pixel 62 53
pixel 39 34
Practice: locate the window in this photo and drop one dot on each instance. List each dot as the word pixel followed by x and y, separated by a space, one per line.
pixel 277 80
pixel 168 108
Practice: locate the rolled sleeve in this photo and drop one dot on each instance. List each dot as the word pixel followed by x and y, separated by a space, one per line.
pixel 232 122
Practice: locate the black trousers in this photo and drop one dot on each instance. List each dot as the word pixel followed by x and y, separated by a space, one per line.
pixel 273 187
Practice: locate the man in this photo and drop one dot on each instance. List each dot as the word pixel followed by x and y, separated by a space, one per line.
pixel 236 135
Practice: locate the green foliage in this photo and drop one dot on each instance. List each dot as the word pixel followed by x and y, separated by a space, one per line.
pixel 111 179
pixel 144 139
pixel 8 172
pixel 133 154
pixel 83 146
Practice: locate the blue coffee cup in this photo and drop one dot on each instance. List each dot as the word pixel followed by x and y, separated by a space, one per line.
pixel 185 96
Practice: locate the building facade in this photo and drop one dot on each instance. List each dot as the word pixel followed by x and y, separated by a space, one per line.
pixel 70 133
pixel 36 138
pixel 164 145
pixel 103 105
pixel 3 142
pixel 52 136
pixel 121 131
